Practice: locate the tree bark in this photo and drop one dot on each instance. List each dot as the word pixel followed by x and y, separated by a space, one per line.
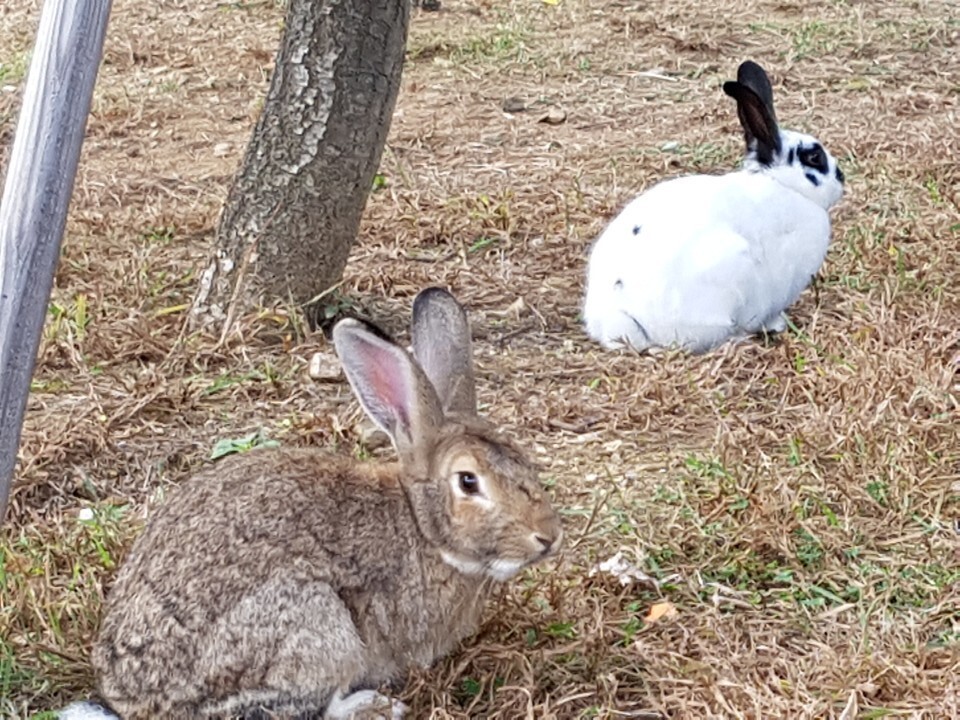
pixel 293 212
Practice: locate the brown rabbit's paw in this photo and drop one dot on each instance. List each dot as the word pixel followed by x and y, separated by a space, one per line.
pixel 86 711
pixel 365 705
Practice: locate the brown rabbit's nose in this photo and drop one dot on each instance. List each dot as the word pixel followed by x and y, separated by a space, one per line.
pixel 547 543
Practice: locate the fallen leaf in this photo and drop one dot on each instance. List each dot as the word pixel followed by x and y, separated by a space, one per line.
pixel 660 610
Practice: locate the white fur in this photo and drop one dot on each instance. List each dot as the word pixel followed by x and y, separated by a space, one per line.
pixel 364 702
pixel 86 711
pixel 699 260
pixel 716 257
pixel 502 570
pixel 464 565
pixel 826 194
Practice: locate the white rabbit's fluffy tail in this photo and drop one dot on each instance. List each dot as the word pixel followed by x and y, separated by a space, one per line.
pixel 86 710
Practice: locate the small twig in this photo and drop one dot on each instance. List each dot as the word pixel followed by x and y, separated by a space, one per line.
pixel 239 5
pixel 590 520
pixel 657 75
pixel 59 653
pixel 320 296
pixel 578 429
pixel 427 259
pixel 506 337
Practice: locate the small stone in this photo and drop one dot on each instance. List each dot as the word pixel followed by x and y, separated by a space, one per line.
pixel 553 116
pixel 514 105
pixel 324 367
pixel 222 149
pixel 372 437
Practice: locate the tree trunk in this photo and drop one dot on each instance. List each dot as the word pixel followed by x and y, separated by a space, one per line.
pixel 293 212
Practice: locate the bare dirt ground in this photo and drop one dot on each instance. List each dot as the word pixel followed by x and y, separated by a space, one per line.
pixel 796 501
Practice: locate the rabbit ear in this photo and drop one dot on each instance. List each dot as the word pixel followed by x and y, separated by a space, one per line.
pixel 442 346
pixel 754 77
pixel 390 386
pixel 754 98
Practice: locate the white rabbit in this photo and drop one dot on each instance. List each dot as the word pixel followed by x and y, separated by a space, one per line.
pixel 698 260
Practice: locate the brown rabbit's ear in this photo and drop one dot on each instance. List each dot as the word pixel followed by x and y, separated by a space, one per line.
pixel 754 97
pixel 390 386
pixel 442 346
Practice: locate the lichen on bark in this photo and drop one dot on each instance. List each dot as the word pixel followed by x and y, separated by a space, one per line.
pixel 293 212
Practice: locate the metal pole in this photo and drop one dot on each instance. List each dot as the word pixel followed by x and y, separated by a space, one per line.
pixel 39 183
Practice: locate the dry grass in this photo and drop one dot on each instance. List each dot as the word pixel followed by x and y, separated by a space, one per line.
pixel 797 502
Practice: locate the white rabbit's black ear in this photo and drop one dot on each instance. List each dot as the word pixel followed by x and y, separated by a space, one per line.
pixel 442 346
pixel 754 97
pixel 754 77
pixel 390 386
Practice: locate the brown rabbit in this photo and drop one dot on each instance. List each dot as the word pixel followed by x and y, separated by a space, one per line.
pixel 290 583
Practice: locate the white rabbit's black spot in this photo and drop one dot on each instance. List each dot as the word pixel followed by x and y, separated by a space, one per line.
pixel 814 180
pixel 790 156
pixel 636 229
pixel 618 285
pixel 814 157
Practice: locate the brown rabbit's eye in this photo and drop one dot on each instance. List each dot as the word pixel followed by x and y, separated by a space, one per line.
pixel 469 483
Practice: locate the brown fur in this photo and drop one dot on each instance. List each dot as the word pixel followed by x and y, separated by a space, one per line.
pixel 278 578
